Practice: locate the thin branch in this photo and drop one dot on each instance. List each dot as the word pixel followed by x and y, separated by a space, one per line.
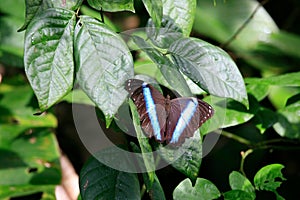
pixel 236 138
pixel 225 44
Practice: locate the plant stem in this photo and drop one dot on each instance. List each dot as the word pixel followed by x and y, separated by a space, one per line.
pixel 244 155
pixel 236 138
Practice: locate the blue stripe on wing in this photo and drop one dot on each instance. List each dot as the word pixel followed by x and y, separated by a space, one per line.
pixel 184 119
pixel 151 110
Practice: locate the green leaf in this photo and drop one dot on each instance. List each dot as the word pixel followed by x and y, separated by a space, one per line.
pixel 187 158
pixel 166 67
pixel 26 172
pixel 289 79
pixel 144 143
pixel 210 67
pixel 229 113
pixel 203 190
pixel 237 195
pixel 165 35
pixel 240 183
pixel 48 55
pixel 155 10
pixel 182 12
pixel 259 91
pixel 269 177
pixel 98 181
pixel 288 124
pixel 112 5
pixel 264 119
pixel 37 7
pixel 104 63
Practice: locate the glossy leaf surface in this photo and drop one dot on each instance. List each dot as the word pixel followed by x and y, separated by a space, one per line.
pixel 48 55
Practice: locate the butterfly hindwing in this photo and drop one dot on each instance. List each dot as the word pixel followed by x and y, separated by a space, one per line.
pixel 150 104
pixel 186 115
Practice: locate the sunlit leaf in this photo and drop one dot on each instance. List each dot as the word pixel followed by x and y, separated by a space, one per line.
pixel 36 7
pixel 210 67
pixel 104 63
pixel 269 177
pixel 182 12
pixel 48 55
pixel 202 190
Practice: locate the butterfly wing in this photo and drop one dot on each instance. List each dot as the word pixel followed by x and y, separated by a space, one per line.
pixel 186 115
pixel 150 105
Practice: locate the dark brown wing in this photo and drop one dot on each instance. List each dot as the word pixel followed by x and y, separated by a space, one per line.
pixel 186 115
pixel 151 108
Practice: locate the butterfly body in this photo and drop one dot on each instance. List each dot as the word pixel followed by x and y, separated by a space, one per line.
pixel 169 121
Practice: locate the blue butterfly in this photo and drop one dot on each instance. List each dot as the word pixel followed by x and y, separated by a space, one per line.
pixel 169 121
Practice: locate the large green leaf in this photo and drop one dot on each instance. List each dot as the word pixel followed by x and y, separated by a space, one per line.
pixel 203 190
pixel 104 63
pixel 165 35
pixel 36 7
pixel 269 177
pixel 112 5
pixel 155 10
pixel 210 67
pixel 182 12
pixel 98 181
pixel 166 67
pixel 48 55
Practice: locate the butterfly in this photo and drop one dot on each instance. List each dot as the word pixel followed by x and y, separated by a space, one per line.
pixel 169 121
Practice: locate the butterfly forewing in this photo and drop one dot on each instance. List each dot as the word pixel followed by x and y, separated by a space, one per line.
pixel 150 104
